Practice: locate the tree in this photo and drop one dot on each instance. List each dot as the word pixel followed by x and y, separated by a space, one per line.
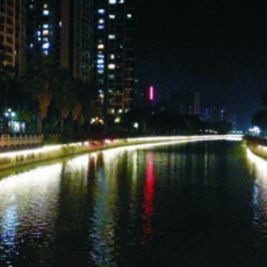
pixel 260 119
pixel 39 81
pixel 264 99
pixel 61 100
pixel 44 100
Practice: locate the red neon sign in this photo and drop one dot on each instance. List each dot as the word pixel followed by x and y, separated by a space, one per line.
pixel 151 93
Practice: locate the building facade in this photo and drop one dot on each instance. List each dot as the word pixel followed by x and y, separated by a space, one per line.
pixel 43 30
pixel 114 55
pixel 94 39
pixel 63 31
pixel 12 34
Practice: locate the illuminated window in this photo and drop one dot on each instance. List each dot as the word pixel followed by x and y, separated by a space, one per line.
pixel 111 37
pixel 46 45
pixel 112 16
pixel 111 66
pixel 112 2
pixel 100 46
pixel 101 11
pixel 45 12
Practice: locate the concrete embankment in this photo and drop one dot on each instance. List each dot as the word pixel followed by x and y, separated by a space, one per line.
pixel 257 145
pixel 27 156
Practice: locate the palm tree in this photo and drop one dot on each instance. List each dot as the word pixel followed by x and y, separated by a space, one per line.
pixel 44 100
pixel 39 82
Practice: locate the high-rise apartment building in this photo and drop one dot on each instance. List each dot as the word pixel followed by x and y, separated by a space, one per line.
pixel 91 38
pixel 81 35
pixel 12 34
pixel 8 32
pixel 21 36
pixel 43 29
pixel 114 54
pixel 62 30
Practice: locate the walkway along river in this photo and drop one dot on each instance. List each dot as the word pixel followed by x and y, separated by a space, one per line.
pixel 195 204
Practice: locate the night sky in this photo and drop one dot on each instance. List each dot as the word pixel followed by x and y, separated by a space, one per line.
pixel 216 47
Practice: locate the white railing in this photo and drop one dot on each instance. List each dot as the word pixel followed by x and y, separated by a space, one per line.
pixel 25 140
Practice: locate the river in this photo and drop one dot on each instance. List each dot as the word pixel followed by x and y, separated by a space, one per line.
pixel 195 204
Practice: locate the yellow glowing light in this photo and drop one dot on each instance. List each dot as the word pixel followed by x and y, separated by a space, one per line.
pixel 78 163
pixel 117 120
pixel 100 46
pixel 111 66
pixel 260 165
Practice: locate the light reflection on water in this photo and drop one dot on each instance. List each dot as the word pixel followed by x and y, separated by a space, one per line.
pixel 164 206
pixel 258 169
pixel 9 226
pixel 28 205
pixel 149 193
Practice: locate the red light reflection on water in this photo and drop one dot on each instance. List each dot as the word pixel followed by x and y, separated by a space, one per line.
pixel 149 194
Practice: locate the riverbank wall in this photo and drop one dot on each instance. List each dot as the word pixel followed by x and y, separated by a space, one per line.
pixel 21 157
pixel 257 145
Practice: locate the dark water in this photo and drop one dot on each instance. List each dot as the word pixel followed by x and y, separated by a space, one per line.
pixel 201 204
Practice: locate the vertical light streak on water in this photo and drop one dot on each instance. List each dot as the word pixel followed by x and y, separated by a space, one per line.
pixel 258 168
pixel 149 192
pixel 206 166
pixel 103 232
pixel 133 167
pixel 9 229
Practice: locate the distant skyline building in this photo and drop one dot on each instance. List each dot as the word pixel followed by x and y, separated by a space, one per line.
pixel 114 55
pixel 187 102
pixel 12 34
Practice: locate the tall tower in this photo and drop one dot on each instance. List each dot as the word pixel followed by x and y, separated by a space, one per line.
pixel 114 55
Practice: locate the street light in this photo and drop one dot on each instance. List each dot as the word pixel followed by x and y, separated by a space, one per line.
pixel 9 114
pixel 136 125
